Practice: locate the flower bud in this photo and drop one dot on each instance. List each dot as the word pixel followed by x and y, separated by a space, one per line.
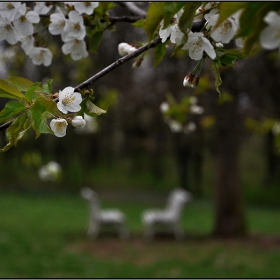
pixel 78 122
pixel 188 80
pixel 125 49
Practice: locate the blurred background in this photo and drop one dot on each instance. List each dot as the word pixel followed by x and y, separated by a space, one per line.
pixel 132 156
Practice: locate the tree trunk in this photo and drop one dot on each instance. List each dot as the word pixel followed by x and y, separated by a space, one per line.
pixel 229 216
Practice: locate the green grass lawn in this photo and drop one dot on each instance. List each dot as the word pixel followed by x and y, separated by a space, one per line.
pixel 44 237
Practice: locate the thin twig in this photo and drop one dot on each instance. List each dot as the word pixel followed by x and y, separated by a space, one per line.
pixel 94 78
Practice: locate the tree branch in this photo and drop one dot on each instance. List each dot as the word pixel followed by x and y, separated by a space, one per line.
pixel 132 7
pixel 94 78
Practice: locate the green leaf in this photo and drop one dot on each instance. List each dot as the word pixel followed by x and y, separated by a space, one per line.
pixel 16 131
pixel 95 40
pixel 186 20
pixel 11 109
pixel 160 51
pixel 48 87
pixel 139 23
pixel 170 9
pixel 23 84
pixel 30 95
pixel 39 122
pixel 91 109
pixel 50 106
pixel 218 80
pixel 154 17
pixel 7 89
pixel 227 9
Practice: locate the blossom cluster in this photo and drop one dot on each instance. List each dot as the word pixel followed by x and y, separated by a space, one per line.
pixel 18 23
pixel 69 100
pixel 177 126
pixel 201 44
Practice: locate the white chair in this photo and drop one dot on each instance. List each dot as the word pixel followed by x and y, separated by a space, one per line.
pixel 169 217
pixel 98 217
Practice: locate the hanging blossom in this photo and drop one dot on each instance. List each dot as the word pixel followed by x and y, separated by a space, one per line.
pixel 74 28
pixel 40 56
pixel 58 126
pixel 226 30
pixel 69 100
pixel 191 80
pixel 172 30
pixel 76 48
pixel 42 8
pixel 27 44
pixel 124 49
pixel 58 22
pixel 85 7
pixel 270 35
pixel 7 31
pixel 197 44
pixel 78 122
pixel 10 10
pixel 24 24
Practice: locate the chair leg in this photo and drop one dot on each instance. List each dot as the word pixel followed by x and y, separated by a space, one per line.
pixel 148 232
pixel 178 232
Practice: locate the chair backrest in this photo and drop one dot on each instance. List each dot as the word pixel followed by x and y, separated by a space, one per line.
pixel 176 201
pixel 93 201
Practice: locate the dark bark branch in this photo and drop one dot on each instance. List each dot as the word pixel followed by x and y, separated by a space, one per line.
pixel 120 61
pixel 94 78
pixel 129 19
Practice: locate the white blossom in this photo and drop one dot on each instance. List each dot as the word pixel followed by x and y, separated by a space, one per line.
pixel 269 37
pixel 41 8
pixel 7 31
pixel 50 171
pixel 85 7
pixel 69 100
pixel 40 56
pixel 172 30
pixel 10 10
pixel 24 24
pixel 78 122
pixel 190 127
pixel 226 30
pixel 196 109
pixel 27 44
pixel 90 127
pixel 175 126
pixel 57 24
pixel 76 48
pixel 197 44
pixel 124 49
pixel 58 126
pixel 74 28
pixel 164 107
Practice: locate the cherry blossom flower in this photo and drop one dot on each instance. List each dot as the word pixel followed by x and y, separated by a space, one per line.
pixel 40 56
pixel 74 28
pixel 24 24
pixel 76 48
pixel 10 10
pixel 27 44
pixel 85 7
pixel 196 109
pixel 69 100
pixel 226 30
pixel 50 171
pixel 269 37
pixel 78 122
pixel 164 107
pixel 124 49
pixel 190 127
pixel 172 30
pixel 7 31
pixel 41 8
pixel 197 44
pixel 58 126
pixel 175 126
pixel 57 25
